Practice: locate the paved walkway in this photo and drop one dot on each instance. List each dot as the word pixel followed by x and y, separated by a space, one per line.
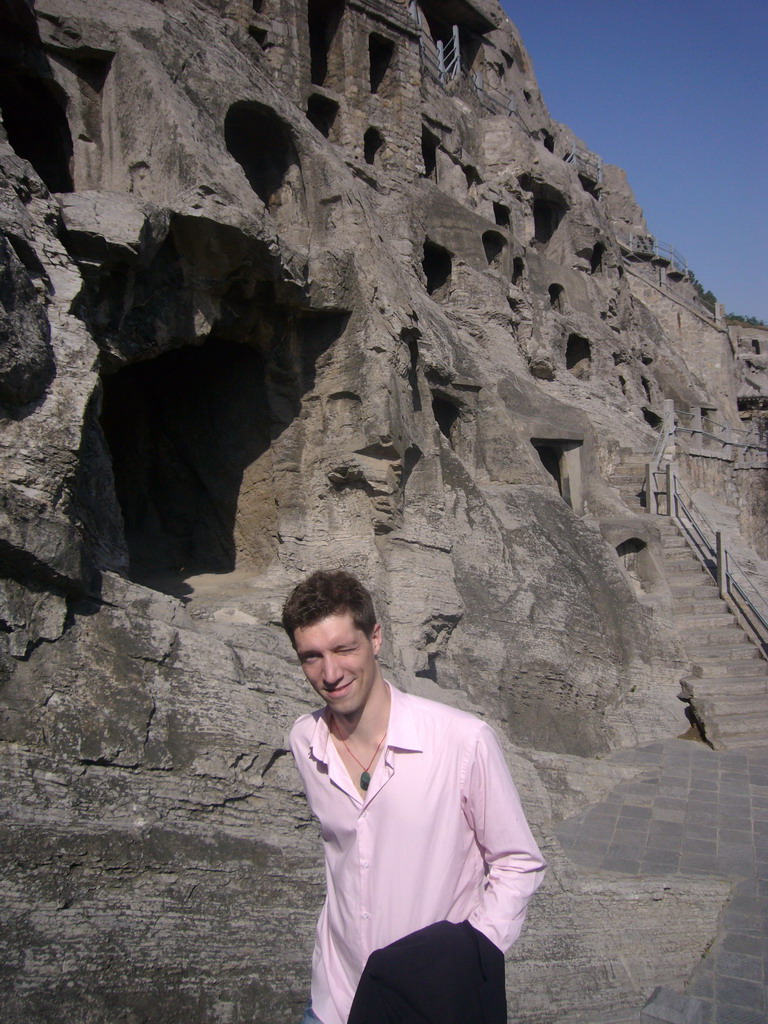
pixel 696 811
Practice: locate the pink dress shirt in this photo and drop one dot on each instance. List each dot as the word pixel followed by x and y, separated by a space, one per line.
pixel 439 836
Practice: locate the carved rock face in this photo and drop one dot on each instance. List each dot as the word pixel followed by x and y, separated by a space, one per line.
pixel 278 295
pixel 26 358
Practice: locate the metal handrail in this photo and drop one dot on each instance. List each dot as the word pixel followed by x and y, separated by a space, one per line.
pixel 717 437
pixel 590 163
pixel 719 562
pixel 697 521
pixel 666 432
pixel 443 61
pixel 647 245
pixel 741 588
pixel 725 437
pixel 493 99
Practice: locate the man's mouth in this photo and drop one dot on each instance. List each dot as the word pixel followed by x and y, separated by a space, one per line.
pixel 337 691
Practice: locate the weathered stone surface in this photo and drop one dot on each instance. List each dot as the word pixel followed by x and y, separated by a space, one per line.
pixel 26 359
pixel 276 300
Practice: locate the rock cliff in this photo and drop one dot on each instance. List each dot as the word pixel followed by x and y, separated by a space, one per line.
pixel 290 284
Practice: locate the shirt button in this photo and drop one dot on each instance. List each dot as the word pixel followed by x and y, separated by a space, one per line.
pixel 364 864
pixel 365 915
pixel 364 814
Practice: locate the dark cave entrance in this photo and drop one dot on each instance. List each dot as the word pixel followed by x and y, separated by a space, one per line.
pixel 494 245
pixel 547 214
pixel 578 356
pixel 446 415
pixel 323 20
pixel 372 143
pixel 380 53
pixel 189 435
pixel 562 461
pixel 246 127
pixel 437 265
pixel 33 111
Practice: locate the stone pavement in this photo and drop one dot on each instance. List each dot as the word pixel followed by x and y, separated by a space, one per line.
pixel 695 811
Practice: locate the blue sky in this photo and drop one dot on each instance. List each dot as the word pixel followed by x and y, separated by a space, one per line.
pixel 676 93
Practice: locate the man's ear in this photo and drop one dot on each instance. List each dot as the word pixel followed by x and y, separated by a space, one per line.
pixel 376 638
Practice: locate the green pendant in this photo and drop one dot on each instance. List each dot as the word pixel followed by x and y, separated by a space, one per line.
pixel 365 781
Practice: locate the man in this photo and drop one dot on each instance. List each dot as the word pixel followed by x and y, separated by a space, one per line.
pixel 420 820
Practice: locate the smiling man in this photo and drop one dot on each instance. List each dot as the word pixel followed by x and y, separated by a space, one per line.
pixel 420 820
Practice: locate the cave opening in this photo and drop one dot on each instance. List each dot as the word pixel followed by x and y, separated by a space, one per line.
pixel 437 265
pixel 636 561
pixel 372 143
pixel 323 20
pixel 562 461
pixel 189 435
pixel 596 259
pixel 472 177
pixel 267 167
pixel 501 214
pixel 518 267
pixel 429 144
pixel 33 111
pixel 652 419
pixel 322 112
pixel 578 356
pixel 547 215
pixel 380 53
pixel 446 415
pixel 556 297
pixel 411 337
pixel 494 245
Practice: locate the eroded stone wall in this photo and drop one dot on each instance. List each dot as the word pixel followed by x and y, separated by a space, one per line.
pixel 280 295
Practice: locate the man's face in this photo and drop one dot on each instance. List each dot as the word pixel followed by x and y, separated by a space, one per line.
pixel 339 660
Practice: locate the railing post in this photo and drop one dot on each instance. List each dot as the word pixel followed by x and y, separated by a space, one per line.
pixel 696 424
pixel 650 490
pixel 727 449
pixel 671 510
pixel 722 565
pixel 456 49
pixel 441 60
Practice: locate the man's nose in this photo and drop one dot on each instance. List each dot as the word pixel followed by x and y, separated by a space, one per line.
pixel 332 671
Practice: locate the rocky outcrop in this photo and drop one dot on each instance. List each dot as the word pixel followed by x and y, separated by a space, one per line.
pixel 282 292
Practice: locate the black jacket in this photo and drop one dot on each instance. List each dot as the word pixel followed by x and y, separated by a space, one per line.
pixel 443 974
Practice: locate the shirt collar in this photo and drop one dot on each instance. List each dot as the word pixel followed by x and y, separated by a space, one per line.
pixel 402 731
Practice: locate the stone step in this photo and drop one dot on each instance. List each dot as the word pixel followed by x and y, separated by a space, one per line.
pixel 690 619
pixel 711 689
pixel 673 541
pixel 728 638
pixel 750 727
pixel 675 557
pixel 695 590
pixel 705 607
pixel 701 587
pixel 729 632
pixel 728 666
pixel 734 682
pixel 688 584
pixel 736 705
pixel 628 479
pixel 724 652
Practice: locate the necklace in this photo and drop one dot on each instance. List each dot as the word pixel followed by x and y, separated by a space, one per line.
pixel 365 778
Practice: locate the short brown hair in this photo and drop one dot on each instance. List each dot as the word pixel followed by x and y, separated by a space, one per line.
pixel 327 593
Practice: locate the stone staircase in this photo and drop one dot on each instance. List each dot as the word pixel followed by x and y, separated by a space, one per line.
pixel 727 688
pixel 629 478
